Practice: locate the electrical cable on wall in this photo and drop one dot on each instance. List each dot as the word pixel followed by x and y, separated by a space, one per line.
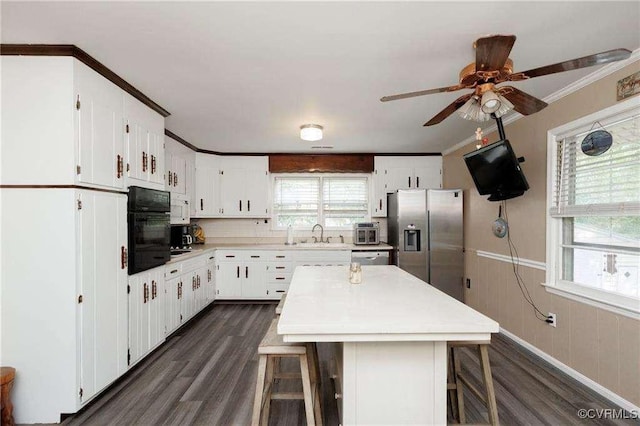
pixel 515 262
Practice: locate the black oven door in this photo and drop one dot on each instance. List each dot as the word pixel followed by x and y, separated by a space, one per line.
pixel 149 235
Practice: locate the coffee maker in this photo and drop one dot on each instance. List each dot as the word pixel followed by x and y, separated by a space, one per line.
pixel 181 237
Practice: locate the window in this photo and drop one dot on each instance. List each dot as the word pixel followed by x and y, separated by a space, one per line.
pixel 334 201
pixel 594 215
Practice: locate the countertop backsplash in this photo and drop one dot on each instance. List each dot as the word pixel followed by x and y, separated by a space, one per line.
pixel 256 231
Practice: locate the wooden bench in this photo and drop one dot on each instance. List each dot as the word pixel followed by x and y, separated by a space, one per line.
pixel 7 374
pixel 271 349
pixel 281 304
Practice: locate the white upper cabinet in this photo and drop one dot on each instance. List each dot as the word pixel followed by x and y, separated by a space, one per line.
pixel 232 186
pixel 62 124
pixel 407 172
pixel 244 186
pixel 144 129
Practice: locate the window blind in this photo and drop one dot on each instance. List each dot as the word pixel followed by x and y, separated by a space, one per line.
pixel 296 201
pixel 344 200
pixel 604 185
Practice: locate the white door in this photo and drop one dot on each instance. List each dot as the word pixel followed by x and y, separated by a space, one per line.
pixel 172 305
pixel 188 296
pixel 428 172
pixel 156 307
pixel 205 201
pixel 379 207
pixel 254 284
pixel 100 133
pixel 178 165
pixel 228 281
pixel 233 185
pixel 400 178
pixel 156 156
pixel 257 193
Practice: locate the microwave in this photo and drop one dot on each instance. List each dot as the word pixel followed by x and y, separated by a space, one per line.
pixel 180 212
pixel 367 233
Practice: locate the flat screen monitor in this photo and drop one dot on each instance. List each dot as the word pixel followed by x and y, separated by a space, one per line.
pixel 496 171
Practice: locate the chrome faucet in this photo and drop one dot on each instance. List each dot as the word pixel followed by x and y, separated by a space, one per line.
pixel 321 233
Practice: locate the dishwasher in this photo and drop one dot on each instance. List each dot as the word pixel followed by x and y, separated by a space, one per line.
pixel 370 257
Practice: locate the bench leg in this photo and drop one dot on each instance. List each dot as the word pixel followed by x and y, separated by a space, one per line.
pixel 459 391
pixel 257 401
pixel 492 407
pixel 306 390
pixel 271 361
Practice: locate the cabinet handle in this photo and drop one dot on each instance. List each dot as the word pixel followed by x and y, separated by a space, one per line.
pixel 175 179
pixel 238 272
pixel 409 181
pixel 193 283
pixel 119 166
pixel 154 289
pixel 280 291
pixel 144 161
pixel 170 178
pixel 240 202
pixel 145 292
pixel 201 204
pixel 180 290
pixel 231 256
pixel 380 204
pixel 153 164
pixel 248 205
pixel 208 275
pixel 173 271
pixel 246 272
pixel 280 257
pixel 280 267
pixel 255 257
pixel 417 181
pixel 123 257
pixel 198 281
pixel 280 278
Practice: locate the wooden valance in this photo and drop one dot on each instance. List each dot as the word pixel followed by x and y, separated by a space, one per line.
pixel 321 163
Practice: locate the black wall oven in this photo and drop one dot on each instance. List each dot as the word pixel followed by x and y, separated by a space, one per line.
pixel 149 229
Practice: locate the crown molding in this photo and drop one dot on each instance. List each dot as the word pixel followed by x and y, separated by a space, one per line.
pixel 555 96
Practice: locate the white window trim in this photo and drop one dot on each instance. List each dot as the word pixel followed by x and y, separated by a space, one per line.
pixel 275 227
pixel 553 284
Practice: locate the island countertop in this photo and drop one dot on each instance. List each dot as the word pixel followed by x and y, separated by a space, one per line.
pixel 389 305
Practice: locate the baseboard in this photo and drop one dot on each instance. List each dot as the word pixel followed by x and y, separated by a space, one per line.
pixel 611 396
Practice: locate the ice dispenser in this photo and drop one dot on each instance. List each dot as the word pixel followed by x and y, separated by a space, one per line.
pixel 411 239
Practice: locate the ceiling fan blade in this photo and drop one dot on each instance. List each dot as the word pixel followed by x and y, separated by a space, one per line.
pixel 421 93
pixel 574 64
pixel 522 102
pixel 492 52
pixel 449 110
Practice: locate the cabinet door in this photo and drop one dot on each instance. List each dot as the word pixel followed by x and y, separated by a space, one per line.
pixel 139 315
pixel 399 178
pixel 168 167
pixel 171 305
pixel 428 172
pixel 137 151
pixel 156 155
pixel 156 308
pixel 254 280
pixel 233 184
pixel 206 182
pixel 379 206
pixel 100 129
pixel 256 193
pixel 201 288
pixel 188 296
pixel 103 286
pixel 178 165
pixel 228 282
pixel 190 184
pixel 210 284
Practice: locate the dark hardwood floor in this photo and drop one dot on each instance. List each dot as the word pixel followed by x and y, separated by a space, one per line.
pixel 205 374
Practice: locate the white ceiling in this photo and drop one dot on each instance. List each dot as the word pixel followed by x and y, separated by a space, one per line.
pixel 242 77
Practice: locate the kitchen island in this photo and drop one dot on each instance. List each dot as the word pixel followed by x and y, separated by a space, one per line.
pixel 391 333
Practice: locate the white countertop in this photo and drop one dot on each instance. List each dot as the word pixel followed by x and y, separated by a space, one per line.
pixel 389 305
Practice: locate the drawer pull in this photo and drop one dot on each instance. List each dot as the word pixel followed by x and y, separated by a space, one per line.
pixel 280 291
pixel 174 271
pixel 280 257
pixel 280 267
pixel 230 256
pixel 212 257
pixel 255 257
pixel 280 278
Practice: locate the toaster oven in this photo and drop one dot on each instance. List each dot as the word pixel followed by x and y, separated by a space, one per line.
pixel 367 233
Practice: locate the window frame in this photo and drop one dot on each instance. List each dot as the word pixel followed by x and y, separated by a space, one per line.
pixel 321 218
pixel 626 305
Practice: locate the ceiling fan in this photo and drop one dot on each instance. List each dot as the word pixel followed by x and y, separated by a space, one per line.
pixel 492 67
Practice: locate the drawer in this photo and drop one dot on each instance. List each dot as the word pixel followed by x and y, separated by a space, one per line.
pixel 276 277
pixel 280 267
pixel 173 270
pixel 276 290
pixel 228 256
pixel 255 255
pixel 279 256
pixel 210 257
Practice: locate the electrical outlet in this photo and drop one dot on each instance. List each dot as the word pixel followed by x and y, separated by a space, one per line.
pixel 554 320
pixel 468 282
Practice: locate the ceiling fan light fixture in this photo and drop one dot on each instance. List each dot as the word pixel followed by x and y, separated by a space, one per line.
pixel 490 102
pixel 471 110
pixel 505 106
pixel 311 132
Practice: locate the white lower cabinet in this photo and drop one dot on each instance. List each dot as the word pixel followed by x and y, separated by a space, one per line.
pixel 66 265
pixel 266 274
pixel 189 288
pixel 146 312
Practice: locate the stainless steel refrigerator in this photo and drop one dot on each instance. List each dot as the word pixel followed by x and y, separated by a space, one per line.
pixel 425 230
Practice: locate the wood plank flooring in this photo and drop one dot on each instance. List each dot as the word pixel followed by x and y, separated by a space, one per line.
pixel 205 374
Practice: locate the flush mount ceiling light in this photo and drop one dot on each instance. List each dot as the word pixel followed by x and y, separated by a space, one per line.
pixel 310 132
